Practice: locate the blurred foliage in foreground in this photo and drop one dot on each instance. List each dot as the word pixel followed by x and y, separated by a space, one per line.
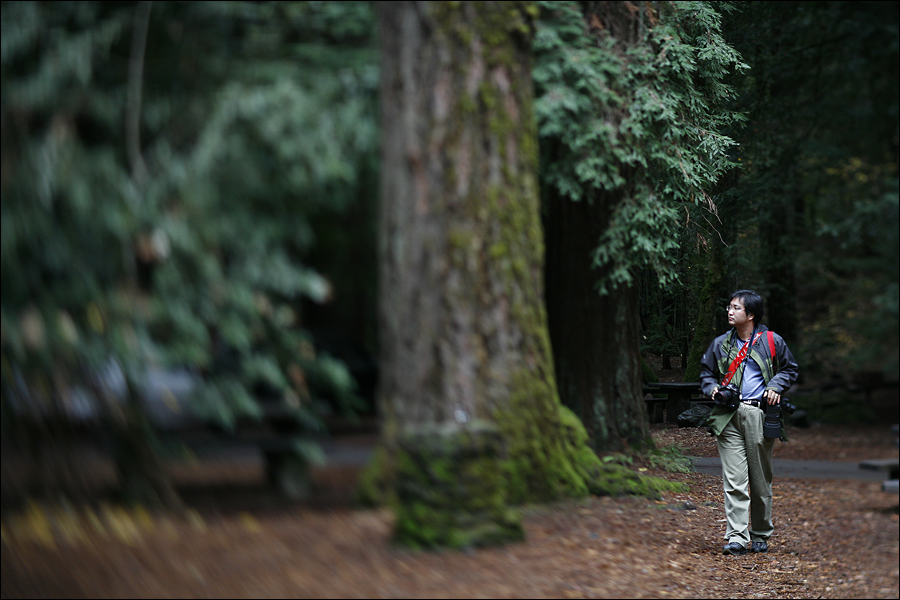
pixel 163 169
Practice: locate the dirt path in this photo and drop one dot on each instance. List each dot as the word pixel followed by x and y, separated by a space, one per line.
pixel 834 539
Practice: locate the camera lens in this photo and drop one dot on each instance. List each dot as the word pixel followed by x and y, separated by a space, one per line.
pixel 772 424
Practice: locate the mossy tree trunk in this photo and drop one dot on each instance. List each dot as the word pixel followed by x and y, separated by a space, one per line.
pixel 596 339
pixel 472 422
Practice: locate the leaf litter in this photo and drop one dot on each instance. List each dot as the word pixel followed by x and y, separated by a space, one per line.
pixel 833 539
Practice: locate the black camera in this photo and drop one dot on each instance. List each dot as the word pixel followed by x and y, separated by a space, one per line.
pixel 727 396
pixel 772 424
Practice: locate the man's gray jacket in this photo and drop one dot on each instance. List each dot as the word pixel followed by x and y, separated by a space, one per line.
pixel 779 372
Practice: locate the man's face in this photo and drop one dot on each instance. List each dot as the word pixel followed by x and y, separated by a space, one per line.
pixel 737 314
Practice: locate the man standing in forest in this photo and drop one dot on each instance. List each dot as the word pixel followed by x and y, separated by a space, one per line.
pixel 745 370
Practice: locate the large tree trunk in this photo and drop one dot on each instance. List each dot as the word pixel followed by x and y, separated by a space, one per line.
pixel 596 339
pixel 143 477
pixel 472 420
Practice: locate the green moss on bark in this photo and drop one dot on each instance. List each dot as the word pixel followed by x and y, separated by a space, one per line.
pixel 543 459
pixel 373 486
pixel 618 480
pixel 450 491
pixel 647 374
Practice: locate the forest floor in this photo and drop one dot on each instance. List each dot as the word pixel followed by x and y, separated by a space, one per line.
pixel 833 539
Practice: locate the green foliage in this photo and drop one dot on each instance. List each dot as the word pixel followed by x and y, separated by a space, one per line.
pixel 813 213
pixel 837 407
pixel 859 329
pixel 618 458
pixel 640 115
pixel 255 120
pixel 667 311
pixel 614 479
pixel 669 458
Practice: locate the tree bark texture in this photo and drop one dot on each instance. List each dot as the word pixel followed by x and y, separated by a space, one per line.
pixel 143 477
pixel 466 393
pixel 596 339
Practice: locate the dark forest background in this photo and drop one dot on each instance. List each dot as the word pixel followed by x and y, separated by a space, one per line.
pixel 193 188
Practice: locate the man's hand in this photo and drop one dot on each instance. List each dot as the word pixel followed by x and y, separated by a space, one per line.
pixel 772 397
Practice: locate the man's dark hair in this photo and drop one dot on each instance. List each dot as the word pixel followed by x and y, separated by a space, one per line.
pixel 753 304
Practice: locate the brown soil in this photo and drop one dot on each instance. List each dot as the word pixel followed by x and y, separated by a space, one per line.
pixel 833 539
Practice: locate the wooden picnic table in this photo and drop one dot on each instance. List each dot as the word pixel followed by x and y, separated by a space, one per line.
pixel 889 465
pixel 678 397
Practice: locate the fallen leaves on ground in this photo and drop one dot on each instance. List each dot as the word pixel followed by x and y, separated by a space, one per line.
pixel 846 443
pixel 833 539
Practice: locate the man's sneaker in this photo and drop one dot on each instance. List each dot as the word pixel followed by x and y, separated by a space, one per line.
pixel 735 548
pixel 760 547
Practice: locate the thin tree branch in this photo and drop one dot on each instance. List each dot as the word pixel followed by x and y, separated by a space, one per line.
pixel 135 84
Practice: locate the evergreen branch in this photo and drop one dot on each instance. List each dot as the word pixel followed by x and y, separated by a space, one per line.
pixel 135 84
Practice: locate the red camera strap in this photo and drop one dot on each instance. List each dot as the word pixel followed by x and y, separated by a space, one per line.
pixel 739 359
pixel 772 352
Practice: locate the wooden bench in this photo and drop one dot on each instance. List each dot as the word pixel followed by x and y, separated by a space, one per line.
pixel 655 408
pixel 677 396
pixel 891 465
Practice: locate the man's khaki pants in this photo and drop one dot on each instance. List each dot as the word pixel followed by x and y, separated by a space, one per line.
pixel 747 476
